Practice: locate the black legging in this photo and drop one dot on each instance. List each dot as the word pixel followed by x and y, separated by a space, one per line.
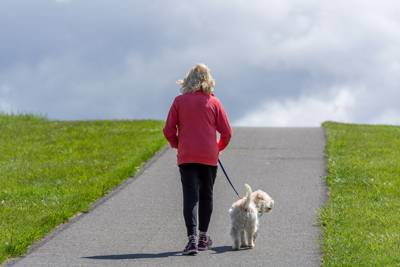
pixel 197 186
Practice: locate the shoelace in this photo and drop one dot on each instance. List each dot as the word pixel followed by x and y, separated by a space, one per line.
pixel 191 243
pixel 204 239
pixel 192 240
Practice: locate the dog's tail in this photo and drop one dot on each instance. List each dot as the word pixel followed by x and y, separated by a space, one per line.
pixel 248 194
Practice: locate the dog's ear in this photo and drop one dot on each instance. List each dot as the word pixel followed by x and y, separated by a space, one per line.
pixel 259 195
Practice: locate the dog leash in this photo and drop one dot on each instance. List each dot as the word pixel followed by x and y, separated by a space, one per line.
pixel 227 177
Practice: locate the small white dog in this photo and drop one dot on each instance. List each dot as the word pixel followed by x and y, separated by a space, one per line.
pixel 245 215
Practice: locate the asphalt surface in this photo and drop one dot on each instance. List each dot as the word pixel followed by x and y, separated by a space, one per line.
pixel 142 224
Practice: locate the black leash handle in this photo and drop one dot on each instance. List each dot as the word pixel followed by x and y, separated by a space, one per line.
pixel 227 177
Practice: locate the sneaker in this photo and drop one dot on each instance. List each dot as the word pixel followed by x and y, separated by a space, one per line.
pixel 191 247
pixel 205 242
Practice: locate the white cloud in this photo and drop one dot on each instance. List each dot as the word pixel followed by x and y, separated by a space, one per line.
pixel 5 106
pixel 307 110
pixel 389 116
pixel 304 61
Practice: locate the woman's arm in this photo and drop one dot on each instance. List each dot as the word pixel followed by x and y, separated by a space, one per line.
pixel 170 128
pixel 223 127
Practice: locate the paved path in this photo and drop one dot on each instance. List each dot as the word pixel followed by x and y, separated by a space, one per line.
pixel 142 224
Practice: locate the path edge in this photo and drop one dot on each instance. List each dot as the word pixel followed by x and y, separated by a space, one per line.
pixel 61 227
pixel 325 195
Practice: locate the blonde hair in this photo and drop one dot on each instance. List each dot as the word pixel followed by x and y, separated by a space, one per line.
pixel 199 77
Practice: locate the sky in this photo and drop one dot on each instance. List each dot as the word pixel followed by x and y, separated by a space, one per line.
pixel 275 62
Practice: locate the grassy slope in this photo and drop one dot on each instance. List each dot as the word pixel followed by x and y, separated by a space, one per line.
pixel 361 221
pixel 50 170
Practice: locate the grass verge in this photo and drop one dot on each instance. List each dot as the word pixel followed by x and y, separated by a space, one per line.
pixel 361 221
pixel 51 170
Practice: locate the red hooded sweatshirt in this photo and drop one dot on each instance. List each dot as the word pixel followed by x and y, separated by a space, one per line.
pixel 192 125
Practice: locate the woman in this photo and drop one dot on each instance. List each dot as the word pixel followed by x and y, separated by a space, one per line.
pixel 193 120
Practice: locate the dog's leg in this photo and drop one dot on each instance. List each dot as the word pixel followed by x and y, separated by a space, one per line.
pixel 250 240
pixel 255 236
pixel 251 237
pixel 243 238
pixel 236 239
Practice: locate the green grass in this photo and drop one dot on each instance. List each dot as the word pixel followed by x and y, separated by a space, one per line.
pixel 51 170
pixel 361 221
